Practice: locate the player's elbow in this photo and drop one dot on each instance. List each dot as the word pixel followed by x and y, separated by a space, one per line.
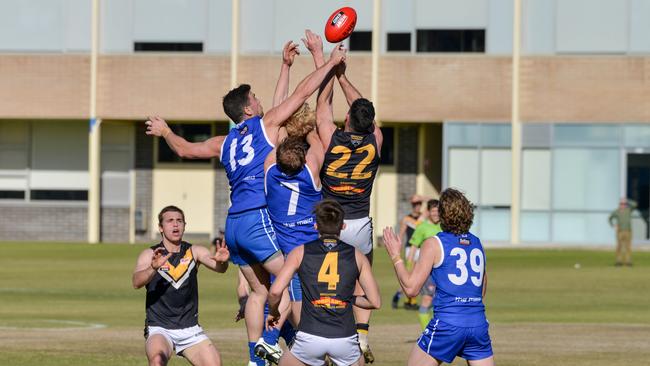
pixel 411 292
pixel 376 302
pixel 136 285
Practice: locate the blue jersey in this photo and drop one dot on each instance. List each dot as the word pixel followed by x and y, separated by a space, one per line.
pixel 459 281
pixel 291 201
pixel 242 154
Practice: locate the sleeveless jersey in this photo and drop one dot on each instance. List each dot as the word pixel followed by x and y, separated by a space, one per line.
pixel 327 277
pixel 349 169
pixel 242 154
pixel 459 281
pixel 172 294
pixel 291 201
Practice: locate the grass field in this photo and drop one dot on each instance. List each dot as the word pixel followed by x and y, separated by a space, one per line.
pixel 73 304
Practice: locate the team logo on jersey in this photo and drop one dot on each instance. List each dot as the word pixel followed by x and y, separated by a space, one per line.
pixel 464 241
pixel 329 303
pixel 177 275
pixel 244 130
pixel 347 189
pixel 356 140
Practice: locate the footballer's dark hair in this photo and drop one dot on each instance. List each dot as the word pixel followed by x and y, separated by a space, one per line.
pixel 456 212
pixel 290 155
pixel 235 101
pixel 169 209
pixel 329 217
pixel 362 116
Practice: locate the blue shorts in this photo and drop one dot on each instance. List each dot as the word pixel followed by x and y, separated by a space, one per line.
pixel 295 291
pixel 444 341
pixel 250 237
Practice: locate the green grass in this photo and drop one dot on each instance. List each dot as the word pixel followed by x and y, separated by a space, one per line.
pixel 55 285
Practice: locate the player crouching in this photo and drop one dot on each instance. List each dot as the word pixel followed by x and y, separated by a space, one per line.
pixel 328 269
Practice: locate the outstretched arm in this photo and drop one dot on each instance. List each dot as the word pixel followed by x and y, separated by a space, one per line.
pixel 210 148
pixel 324 110
pixel 289 52
pixel 351 93
pixel 315 155
pixel 411 283
pixel 371 299
pixel 217 262
pixel 276 116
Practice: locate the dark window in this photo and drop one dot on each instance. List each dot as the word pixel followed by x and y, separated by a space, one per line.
pixel 12 195
pixel 388 146
pixel 191 133
pixel 59 195
pixel 457 40
pixel 399 42
pixel 361 41
pixel 168 47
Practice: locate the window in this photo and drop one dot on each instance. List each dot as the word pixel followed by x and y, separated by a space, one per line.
pixel 168 47
pixel 59 195
pixel 388 146
pixel 191 133
pixel 456 40
pixel 361 41
pixel 12 195
pixel 399 42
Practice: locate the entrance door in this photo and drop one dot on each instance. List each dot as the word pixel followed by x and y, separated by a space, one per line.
pixel 638 189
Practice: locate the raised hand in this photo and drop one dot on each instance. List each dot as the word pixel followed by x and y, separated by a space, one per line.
pixel 392 242
pixel 221 253
pixel 289 53
pixel 157 126
pixel 340 69
pixel 159 258
pixel 338 54
pixel 313 42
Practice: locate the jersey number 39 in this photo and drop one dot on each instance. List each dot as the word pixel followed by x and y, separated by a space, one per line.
pixel 477 264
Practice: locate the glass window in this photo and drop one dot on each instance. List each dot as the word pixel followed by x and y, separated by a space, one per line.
pixel 586 135
pixel 450 40
pixel 536 180
pixel 583 228
pixel 586 179
pixel 463 171
pixel 636 136
pixel 462 134
pixel 495 225
pixel 361 41
pixel 535 226
pixel 496 177
pixel 398 42
pixel 191 133
pixel 168 46
pixel 495 135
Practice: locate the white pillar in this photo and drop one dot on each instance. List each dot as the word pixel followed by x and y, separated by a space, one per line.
pixel 376 33
pixel 516 127
pixel 94 138
pixel 234 47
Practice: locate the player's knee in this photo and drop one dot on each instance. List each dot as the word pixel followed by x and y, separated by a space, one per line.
pixel 158 359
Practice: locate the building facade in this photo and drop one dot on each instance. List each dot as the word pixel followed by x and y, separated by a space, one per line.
pixel 440 75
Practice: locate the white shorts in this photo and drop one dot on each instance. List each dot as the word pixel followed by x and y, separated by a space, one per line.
pixel 179 339
pixel 408 250
pixel 311 349
pixel 358 233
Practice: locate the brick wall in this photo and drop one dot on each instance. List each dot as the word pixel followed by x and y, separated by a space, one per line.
pixel 407 168
pixel 115 225
pixel 412 88
pixel 44 222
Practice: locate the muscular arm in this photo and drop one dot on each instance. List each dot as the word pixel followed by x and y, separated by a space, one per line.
pixel 147 265
pixel 411 283
pixel 210 148
pixel 277 115
pixel 351 93
pixel 289 51
pixel 282 280
pixel 371 299
pixel 315 155
pixel 217 263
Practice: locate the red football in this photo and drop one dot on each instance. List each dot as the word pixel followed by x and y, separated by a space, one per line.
pixel 340 24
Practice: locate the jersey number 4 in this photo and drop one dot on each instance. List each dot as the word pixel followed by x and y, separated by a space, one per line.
pixel 477 263
pixel 358 172
pixel 329 270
